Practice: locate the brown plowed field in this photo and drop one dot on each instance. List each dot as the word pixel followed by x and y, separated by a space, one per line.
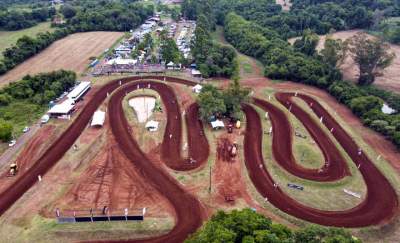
pixel 380 204
pixel 70 53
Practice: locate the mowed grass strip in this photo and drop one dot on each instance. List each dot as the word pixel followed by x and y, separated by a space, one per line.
pixel 8 38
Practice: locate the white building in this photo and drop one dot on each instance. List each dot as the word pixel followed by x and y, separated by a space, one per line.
pixel 62 110
pixel 121 61
pixel 79 91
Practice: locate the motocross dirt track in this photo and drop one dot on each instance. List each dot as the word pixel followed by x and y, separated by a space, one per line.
pixel 379 205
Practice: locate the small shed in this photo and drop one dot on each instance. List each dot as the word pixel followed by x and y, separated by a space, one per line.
pixel 197 88
pixel 98 118
pixel 152 126
pixel 196 73
pixel 217 124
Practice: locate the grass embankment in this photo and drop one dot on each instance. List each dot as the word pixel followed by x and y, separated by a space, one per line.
pixel 41 229
pixel 8 38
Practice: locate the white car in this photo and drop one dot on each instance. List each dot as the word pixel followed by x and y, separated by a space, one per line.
pixel 26 129
pixel 12 143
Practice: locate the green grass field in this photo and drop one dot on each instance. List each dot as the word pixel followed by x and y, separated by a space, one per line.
pixel 8 38
pixel 21 114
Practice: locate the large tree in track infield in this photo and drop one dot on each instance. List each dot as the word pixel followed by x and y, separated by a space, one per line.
pixel 371 55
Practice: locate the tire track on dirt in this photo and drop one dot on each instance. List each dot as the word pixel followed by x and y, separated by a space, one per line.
pixel 335 166
pixel 379 205
pixel 184 203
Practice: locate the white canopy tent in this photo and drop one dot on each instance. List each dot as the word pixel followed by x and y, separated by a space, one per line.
pixel 98 118
pixel 120 61
pixel 217 124
pixel 197 88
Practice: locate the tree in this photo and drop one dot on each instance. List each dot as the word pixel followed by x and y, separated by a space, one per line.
pixel 396 138
pixel 5 99
pixel 170 52
pixel 5 131
pixel 334 52
pixel 371 55
pixel 249 226
pixel 68 11
pixel 307 43
pixel 364 104
pixel 234 96
pixel 211 102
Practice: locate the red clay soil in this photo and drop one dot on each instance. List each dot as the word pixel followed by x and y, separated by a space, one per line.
pixel 184 203
pixel 112 181
pixel 224 148
pixel 380 204
pixel 335 166
pixel 172 142
pixel 29 155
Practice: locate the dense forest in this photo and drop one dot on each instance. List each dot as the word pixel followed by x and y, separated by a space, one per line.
pixel 260 29
pixel 321 16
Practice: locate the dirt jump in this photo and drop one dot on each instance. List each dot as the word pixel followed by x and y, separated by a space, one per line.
pixel 379 205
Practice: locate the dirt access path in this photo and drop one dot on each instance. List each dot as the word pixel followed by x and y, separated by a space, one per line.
pixel 70 53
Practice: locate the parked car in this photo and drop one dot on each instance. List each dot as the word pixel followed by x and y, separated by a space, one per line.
pixel 26 129
pixel 12 143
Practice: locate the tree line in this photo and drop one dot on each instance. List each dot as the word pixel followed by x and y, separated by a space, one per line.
pixel 33 93
pixel 17 19
pixel 106 15
pixel 27 47
pixel 320 16
pixel 213 59
pixel 247 226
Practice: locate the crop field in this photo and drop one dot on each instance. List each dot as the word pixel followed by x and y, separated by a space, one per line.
pixel 8 38
pixel 70 53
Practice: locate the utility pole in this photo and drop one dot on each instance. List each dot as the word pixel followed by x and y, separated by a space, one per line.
pixel 209 188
